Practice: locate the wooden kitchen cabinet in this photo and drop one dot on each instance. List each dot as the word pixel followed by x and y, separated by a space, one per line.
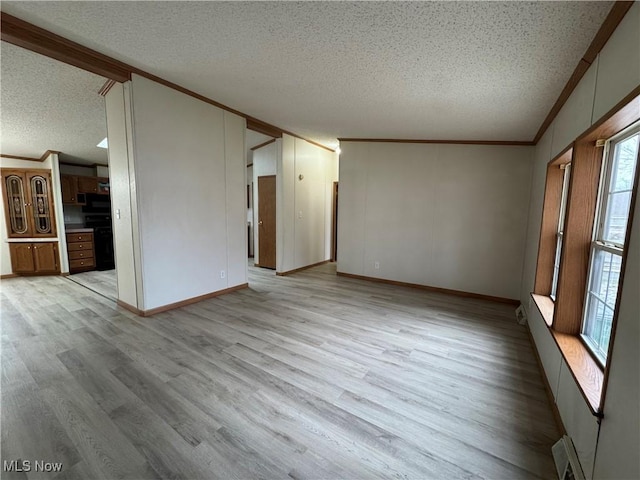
pixel 81 252
pixel 28 203
pixel 87 184
pixel 34 258
pixel 70 193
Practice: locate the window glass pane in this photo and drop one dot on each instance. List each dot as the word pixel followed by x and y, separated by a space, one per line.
pixel 618 193
pixel 624 161
pixel 556 267
pixel 615 220
pixel 603 290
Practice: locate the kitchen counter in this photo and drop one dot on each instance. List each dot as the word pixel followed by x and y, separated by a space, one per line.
pixel 79 230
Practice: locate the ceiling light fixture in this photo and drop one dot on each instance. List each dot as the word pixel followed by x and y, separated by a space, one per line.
pixel 103 144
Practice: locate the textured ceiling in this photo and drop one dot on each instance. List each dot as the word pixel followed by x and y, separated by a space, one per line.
pixel 434 70
pixel 48 105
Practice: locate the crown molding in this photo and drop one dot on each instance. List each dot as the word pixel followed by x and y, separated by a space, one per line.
pixel 442 142
pixel 615 16
pixel 36 39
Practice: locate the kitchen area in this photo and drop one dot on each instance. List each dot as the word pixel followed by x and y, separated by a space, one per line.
pixel 86 204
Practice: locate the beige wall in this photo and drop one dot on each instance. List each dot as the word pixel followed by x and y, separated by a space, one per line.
pixel 185 169
pixel 123 201
pixel 447 216
pixel 611 449
pixel 303 205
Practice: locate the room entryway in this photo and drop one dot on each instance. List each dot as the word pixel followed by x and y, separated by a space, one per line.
pixel 267 221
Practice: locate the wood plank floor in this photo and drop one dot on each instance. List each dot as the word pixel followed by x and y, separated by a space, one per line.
pixel 100 281
pixel 306 376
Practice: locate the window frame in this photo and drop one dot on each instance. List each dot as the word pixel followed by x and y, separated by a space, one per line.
pixel 564 198
pixel 598 244
pixel 563 318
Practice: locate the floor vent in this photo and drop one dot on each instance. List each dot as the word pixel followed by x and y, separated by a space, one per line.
pixel 566 459
pixel 521 315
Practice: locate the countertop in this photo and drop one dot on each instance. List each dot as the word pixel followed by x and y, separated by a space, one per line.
pixel 79 230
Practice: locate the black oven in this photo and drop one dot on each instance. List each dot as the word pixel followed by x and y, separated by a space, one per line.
pixel 102 240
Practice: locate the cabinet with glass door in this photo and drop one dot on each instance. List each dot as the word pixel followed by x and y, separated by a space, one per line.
pixel 28 203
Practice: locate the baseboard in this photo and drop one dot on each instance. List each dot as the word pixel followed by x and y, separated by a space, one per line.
pixel 14 275
pixel 547 386
pixel 131 308
pixel 182 303
pixel 289 272
pixel 447 291
pixel 65 274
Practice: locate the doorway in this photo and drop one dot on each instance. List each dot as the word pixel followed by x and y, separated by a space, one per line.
pixel 334 223
pixel 267 221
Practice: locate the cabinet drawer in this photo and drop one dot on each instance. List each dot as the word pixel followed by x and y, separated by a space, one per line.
pixel 80 254
pixel 74 247
pixel 82 263
pixel 79 237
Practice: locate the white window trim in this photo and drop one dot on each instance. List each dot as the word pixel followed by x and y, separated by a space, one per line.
pixel 564 198
pixel 596 243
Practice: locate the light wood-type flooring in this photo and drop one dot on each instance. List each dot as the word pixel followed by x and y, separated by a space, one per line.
pixel 306 376
pixel 100 281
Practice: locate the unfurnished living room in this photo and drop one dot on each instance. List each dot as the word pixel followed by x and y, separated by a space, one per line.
pixel 320 240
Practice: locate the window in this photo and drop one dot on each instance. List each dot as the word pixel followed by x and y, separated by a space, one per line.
pixel 608 245
pixel 560 230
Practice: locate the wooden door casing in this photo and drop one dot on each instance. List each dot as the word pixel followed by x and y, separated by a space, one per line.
pixel 267 221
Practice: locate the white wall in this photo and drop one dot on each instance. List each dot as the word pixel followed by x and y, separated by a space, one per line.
pixel 190 169
pixel 264 164
pixel 51 164
pixel 619 441
pixel 303 205
pixel 611 451
pixel 121 184
pixel 447 216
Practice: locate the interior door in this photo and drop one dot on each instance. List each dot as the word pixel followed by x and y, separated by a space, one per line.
pixel 267 221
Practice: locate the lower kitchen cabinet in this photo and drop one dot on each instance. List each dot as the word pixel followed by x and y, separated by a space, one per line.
pixel 34 258
pixel 81 252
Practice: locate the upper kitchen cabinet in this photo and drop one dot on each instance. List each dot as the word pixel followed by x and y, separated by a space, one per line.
pixel 28 203
pixel 74 188
pixel 70 192
pixel 88 184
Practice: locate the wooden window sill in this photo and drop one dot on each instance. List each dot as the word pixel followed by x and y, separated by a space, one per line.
pixel 545 307
pixel 585 370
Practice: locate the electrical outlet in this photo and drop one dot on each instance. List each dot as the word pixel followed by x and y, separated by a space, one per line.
pixel 222 274
pixel 376 265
